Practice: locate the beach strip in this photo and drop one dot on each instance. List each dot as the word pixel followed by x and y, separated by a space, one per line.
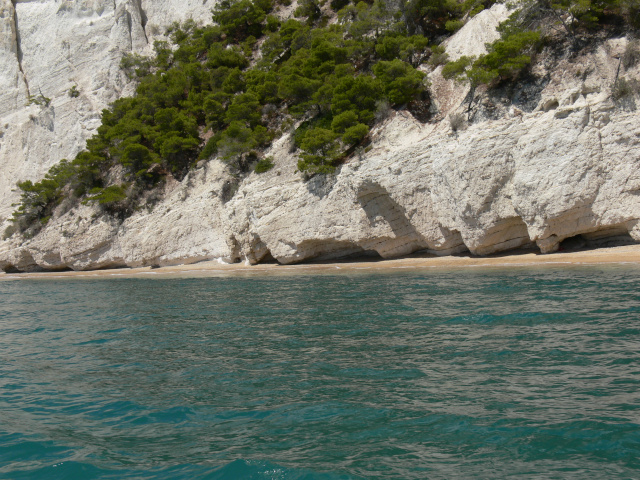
pixel 629 254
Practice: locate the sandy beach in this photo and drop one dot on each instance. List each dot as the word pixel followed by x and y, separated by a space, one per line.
pixel 629 254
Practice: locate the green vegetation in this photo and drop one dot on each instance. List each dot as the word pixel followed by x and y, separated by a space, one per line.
pixel 506 58
pixel 251 77
pixel 625 88
pixel 521 38
pixel 575 17
pixel 264 165
pixel 39 99
pixel 110 197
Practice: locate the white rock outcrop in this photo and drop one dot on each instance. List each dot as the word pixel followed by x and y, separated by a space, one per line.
pixel 47 47
pixel 556 159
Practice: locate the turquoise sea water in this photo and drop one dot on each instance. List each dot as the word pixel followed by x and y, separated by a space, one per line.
pixel 464 374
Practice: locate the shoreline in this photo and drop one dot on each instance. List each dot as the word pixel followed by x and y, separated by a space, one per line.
pixel 620 255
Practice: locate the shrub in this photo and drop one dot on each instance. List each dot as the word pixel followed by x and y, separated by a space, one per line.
pixel 505 59
pixel 383 109
pixel 137 157
pixel 245 108
pixel 400 81
pixel 409 49
pixel 454 25
pixel 241 19
pixel 264 165
pixel 438 56
pixel 355 134
pixel 321 149
pixel 625 88
pixel 508 56
pixel 430 16
pixel 135 65
pixel 337 5
pixel 273 23
pixel 358 94
pixel 108 196
pixel 39 99
pixel 457 68
pixel 344 121
pixel 309 9
pixel 476 10
pixel 319 141
pixel 236 140
pixel 211 147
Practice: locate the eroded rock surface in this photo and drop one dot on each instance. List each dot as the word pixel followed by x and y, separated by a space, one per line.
pixel 562 162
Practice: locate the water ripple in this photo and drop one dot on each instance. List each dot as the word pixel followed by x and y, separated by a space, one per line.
pixel 527 374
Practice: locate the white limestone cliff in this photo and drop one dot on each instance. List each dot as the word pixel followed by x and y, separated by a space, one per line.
pixel 46 48
pixel 555 159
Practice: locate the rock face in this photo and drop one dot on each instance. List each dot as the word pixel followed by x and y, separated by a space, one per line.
pixel 47 47
pixel 554 159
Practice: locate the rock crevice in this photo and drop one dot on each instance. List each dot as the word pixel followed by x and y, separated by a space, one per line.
pixel 18 47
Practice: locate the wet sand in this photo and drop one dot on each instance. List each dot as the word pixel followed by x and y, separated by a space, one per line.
pixel 629 255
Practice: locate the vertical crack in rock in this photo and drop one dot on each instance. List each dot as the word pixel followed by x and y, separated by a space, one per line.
pixel 129 15
pixel 16 34
pixel 143 18
pixel 129 28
